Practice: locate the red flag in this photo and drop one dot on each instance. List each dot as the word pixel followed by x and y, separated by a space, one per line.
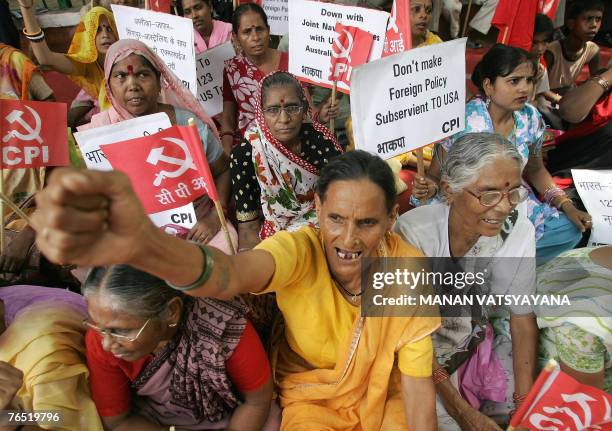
pixel 515 20
pixel 164 168
pixel 548 7
pixel 33 134
pixel 259 2
pixel 160 5
pixel 558 402
pixel 399 33
pixel 351 48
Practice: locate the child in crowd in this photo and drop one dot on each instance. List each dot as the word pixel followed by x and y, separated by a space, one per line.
pixel 542 36
pixel 565 58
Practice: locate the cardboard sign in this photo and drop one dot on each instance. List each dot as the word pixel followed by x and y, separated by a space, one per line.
pixel 409 100
pixel 30 136
pixel 89 142
pixel 312 27
pixel 169 36
pixel 278 16
pixel 595 190
pixel 209 72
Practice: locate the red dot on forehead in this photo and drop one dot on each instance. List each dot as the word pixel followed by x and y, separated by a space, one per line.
pixel 282 100
pixel 507 184
pixel 130 69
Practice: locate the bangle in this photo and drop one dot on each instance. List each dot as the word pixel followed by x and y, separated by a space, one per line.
pixel 518 399
pixel 552 193
pixel 564 200
pixel 226 133
pixel 601 82
pixel 440 375
pixel 209 264
pixel 34 37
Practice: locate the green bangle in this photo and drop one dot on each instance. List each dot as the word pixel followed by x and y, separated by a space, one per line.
pixel 209 264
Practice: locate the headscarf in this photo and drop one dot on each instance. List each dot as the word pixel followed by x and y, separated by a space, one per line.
pixel 16 71
pixel 83 50
pixel 286 180
pixel 172 90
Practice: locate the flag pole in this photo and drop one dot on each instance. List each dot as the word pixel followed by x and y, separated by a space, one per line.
pixel 218 206
pixel 421 169
pixel 467 17
pixel 332 122
pixel 550 366
pixel 2 210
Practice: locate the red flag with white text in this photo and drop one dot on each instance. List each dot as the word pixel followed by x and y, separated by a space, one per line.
pixel 515 20
pixel 557 402
pixel 351 48
pixel 399 34
pixel 33 134
pixel 548 7
pixel 168 169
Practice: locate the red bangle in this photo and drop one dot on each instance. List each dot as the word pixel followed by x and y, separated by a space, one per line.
pixel 440 375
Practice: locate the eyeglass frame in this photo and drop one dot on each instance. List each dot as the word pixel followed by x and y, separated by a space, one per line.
pixel 106 332
pixel 501 196
pixel 300 108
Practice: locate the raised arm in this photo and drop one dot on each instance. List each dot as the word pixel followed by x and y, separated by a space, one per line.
pixel 91 218
pixel 45 56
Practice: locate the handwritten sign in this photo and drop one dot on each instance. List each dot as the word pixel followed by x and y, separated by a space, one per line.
pixel 595 190
pixel 209 72
pixel 89 142
pixel 312 27
pixel 169 36
pixel 278 16
pixel 409 100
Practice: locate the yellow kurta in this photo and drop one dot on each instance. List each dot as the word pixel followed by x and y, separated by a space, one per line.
pixel 46 342
pixel 333 367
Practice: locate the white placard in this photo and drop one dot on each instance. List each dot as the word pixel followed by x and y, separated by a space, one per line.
pixel 209 72
pixel 410 99
pixel 311 34
pixel 595 190
pixel 278 16
pixel 169 36
pixel 89 142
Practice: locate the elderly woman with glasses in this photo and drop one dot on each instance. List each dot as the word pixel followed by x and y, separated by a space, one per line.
pixel 158 358
pixel 486 355
pixel 275 169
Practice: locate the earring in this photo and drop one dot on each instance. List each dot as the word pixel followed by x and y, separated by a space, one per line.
pixel 487 102
pixel 172 325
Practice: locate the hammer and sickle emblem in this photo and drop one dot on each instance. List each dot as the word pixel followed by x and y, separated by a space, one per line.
pixel 157 155
pixel 33 133
pixel 345 51
pixel 393 18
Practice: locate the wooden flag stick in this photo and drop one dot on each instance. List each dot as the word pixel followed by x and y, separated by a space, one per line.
pixel 5 200
pixel 505 38
pixel 332 122
pixel 467 17
pixel 218 206
pixel 420 168
pixel 2 210
pixel 235 4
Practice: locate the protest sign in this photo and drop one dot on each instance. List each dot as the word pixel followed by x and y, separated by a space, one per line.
pixel 30 136
pixel 209 72
pixel 350 49
pixel 312 28
pixel 89 142
pixel 409 100
pixel 595 190
pixel 169 36
pixel 278 16
pixel 399 34
pixel 162 168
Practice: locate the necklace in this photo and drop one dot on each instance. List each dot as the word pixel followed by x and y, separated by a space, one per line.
pixel 353 296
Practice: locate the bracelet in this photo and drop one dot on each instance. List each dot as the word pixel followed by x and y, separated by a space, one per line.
pixel 35 34
pixel 34 37
pixel 560 204
pixel 440 375
pixel 552 193
pixel 209 264
pixel 601 82
pixel 518 399
pixel 226 133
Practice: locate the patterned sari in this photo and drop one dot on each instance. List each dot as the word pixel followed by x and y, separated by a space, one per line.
pixel 287 182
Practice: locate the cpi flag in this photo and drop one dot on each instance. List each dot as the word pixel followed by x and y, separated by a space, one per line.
pixel 515 19
pixel 399 34
pixel 351 48
pixel 548 7
pixel 160 5
pixel 168 169
pixel 33 134
pixel 558 402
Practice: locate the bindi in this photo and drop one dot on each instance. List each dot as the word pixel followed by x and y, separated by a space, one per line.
pixel 282 101
pixel 130 69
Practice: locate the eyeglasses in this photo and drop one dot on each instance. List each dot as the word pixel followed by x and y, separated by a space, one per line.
pixel 114 335
pixel 290 110
pixel 493 197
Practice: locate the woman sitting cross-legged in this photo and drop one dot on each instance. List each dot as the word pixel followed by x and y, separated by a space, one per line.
pixel 275 170
pixel 158 358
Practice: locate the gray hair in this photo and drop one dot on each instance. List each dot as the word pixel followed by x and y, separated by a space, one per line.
pixel 471 153
pixel 134 292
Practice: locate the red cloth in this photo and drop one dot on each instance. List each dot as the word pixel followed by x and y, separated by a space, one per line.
pixel 515 20
pixel 599 116
pixel 548 7
pixel 110 378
